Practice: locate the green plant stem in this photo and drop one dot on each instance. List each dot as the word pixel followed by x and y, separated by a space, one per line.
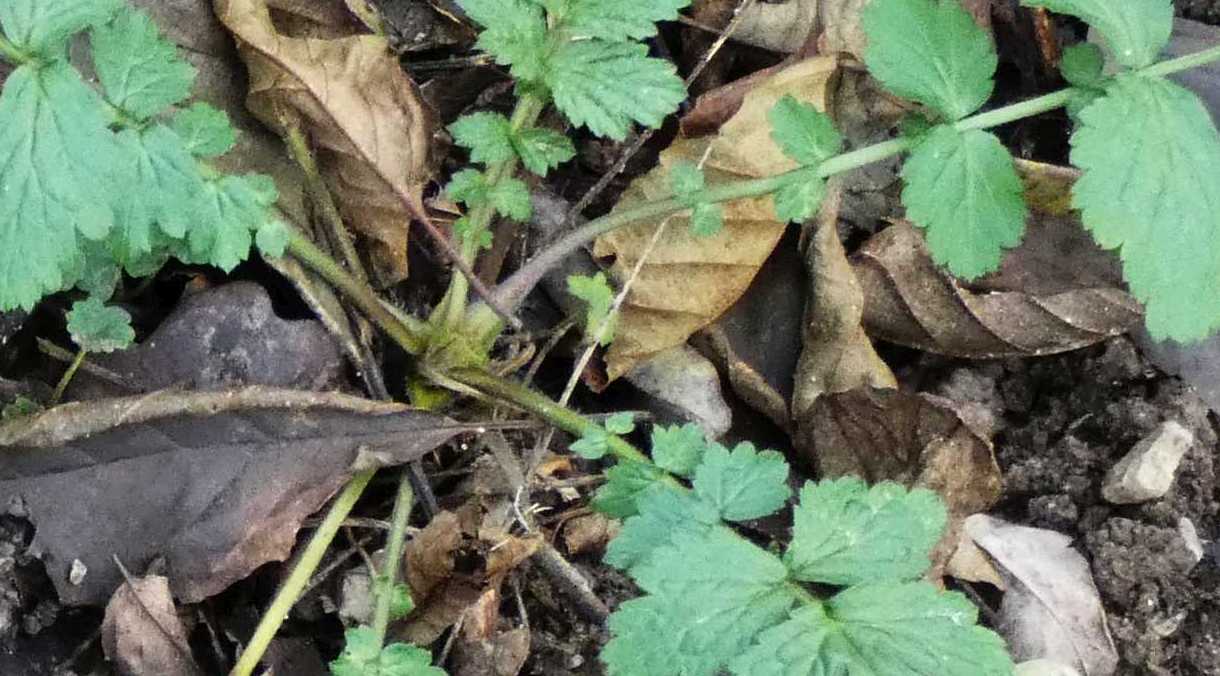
pixel 323 201
pixel 412 339
pixel 305 566
pixel 10 53
pixel 66 378
pixel 542 406
pixel 384 584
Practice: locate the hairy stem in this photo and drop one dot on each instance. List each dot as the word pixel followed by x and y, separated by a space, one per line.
pixel 67 377
pixel 291 590
pixel 388 576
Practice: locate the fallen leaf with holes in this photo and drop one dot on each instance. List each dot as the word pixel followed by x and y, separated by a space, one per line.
pixel 687 281
pixel 142 633
pixel 216 483
pixel 369 125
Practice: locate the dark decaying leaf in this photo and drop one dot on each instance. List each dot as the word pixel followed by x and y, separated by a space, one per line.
pixel 216 483
pixel 142 633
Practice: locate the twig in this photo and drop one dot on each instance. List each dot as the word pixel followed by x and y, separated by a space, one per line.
pixel 101 373
pixel 571 583
pixel 66 378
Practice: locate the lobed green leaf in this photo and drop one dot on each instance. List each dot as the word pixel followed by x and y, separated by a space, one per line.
pixel 1136 30
pixel 804 133
pixel 97 327
pixel 229 210
pixel 799 198
pixel 542 149
pixel 678 449
pixel 42 27
pixel 205 131
pixel 140 70
pixel 514 33
pixel 626 483
pixel 743 483
pixel 616 21
pixel 488 136
pixel 595 291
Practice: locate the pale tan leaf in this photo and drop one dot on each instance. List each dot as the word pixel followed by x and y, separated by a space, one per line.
pixel 371 129
pixel 687 281
pixel 142 633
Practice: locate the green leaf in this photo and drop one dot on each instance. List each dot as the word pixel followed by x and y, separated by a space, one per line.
pixel 742 484
pixel 166 183
pixel 511 199
pixel 799 198
pixel 606 85
pixel 593 444
pixel 846 533
pixel 97 327
pixel 664 512
pixel 688 184
pixel 804 133
pixel 468 186
pixel 402 659
pixel 1082 65
pixel 464 228
pixel 620 20
pixel 963 189
pixel 140 70
pixel 43 26
pixel 678 449
pixel 229 210
pixel 930 51
pixel 56 156
pixel 595 291
pixel 625 483
pixel 711 594
pixel 19 408
pixel 1136 30
pixel 620 423
pixel 361 652
pixel 514 33
pixel 1150 156
pixel 205 131
pixel 488 136
pixel 542 149
pixel 272 238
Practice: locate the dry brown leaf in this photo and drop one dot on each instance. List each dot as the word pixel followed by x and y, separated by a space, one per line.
pixel 142 633
pixel 370 127
pixel 688 281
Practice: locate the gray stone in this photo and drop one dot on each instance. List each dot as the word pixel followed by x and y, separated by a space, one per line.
pixel 1147 471
pixel 684 386
pixel 1190 535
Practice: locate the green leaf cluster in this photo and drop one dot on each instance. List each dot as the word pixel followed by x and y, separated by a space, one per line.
pixel 688 184
pixel 595 442
pixel 600 319
pixel 808 136
pixel 363 655
pixel 716 602
pixel 97 181
pixel 584 54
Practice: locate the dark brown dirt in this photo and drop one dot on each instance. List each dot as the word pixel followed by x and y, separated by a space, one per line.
pixel 1207 11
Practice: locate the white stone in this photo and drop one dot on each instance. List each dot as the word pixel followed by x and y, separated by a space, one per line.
pixel 1147 471
pixel 1190 535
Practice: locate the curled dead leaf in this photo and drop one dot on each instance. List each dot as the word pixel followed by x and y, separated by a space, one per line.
pixel 142 633
pixel 370 127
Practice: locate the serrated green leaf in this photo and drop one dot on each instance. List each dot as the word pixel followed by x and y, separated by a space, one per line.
pixel 620 20
pixel 164 186
pixel 713 592
pixel 593 444
pixel 542 149
pixel 205 131
pixel 468 186
pixel 620 423
pixel 140 70
pixel 625 483
pixel 742 484
pixel 360 647
pixel 930 51
pixel 687 181
pixel 463 228
pixel 511 199
pixel 514 33
pixel 1082 65
pixel 1136 30
pixel 402 659
pixel 363 656
pixel 595 291
pixel 97 327
pixel 488 136
pixel 272 238
pixel 963 189
pixel 56 157
pixel 229 211
pixel 678 449
pixel 43 27
pixel 799 198
pixel 606 85
pixel 663 513
pixel 1150 156
pixel 804 133
pixel 845 532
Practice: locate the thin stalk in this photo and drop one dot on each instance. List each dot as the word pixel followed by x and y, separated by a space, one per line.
pixel 291 590
pixel 412 339
pixel 384 585
pixel 66 379
pixel 323 201
pixel 9 52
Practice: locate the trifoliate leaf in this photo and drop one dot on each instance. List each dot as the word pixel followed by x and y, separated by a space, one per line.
pixel 164 186
pixel 488 136
pixel 800 198
pixel 803 132
pixel 511 199
pixel 742 484
pixel 620 423
pixel 595 291
pixel 963 189
pixel 229 210
pixel 606 85
pixel 55 159
pixel 1082 65
pixel 272 238
pixel 620 20
pixel 1136 30
pixel 930 51
pixel 845 533
pixel 678 449
pixel 43 27
pixel 97 327
pixel 514 33
pixel 140 70
pixel 1150 156
pixel 663 513
pixel 625 483
pixel 542 149
pixel 593 444
pixel 714 591
pixel 205 131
